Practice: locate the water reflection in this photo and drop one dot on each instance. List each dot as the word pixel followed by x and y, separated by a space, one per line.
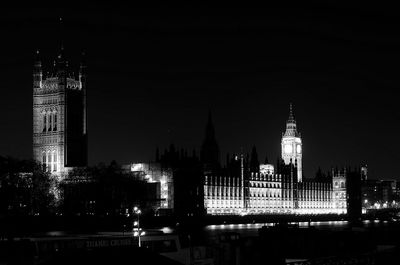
pixel 253 227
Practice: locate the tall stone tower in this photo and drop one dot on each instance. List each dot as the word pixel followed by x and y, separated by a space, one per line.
pixel 209 153
pixel 59 116
pixel 291 145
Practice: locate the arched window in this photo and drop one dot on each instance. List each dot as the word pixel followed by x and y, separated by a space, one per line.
pixel 44 161
pixel 44 122
pixel 55 121
pixel 49 161
pixel 342 184
pixel 55 161
pixel 50 122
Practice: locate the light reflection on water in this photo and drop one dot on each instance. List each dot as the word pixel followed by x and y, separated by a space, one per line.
pixel 252 228
pixel 246 229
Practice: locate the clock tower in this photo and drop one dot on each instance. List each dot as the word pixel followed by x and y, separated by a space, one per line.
pixel 291 145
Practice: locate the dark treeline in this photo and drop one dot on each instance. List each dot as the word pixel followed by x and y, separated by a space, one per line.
pixel 25 189
pixel 102 190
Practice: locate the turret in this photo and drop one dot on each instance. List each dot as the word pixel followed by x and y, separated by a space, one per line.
pixel 37 71
pixel 291 129
pixel 82 71
pixel 61 69
pixel 291 144
pixel 254 163
pixel 209 154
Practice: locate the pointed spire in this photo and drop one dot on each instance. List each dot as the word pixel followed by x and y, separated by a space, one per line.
pixel 37 71
pixel 291 116
pixel 83 62
pixel 61 32
pixel 37 56
pixel 266 160
pixel 254 163
pixel 38 61
pixel 291 129
pixel 210 131
pixel 157 154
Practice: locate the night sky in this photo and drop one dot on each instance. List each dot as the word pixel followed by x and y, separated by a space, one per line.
pixel 155 73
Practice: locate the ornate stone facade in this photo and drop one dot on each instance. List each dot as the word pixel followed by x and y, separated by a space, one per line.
pixel 59 116
pixel 280 190
pixel 273 194
pixel 291 146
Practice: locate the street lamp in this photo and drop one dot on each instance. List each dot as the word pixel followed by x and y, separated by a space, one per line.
pixel 137 231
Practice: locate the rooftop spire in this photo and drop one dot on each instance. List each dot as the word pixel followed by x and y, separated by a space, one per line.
pixel 61 40
pixel 37 58
pixel 291 116
pixel 291 129
pixel 210 132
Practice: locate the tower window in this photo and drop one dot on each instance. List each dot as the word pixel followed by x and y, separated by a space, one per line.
pixel 44 161
pixel 44 122
pixel 50 122
pixel 54 161
pixel 55 122
pixel 50 164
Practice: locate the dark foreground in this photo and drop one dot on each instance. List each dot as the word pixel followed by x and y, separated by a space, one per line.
pixel 372 242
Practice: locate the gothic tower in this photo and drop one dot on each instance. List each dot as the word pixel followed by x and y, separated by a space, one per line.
pixel 209 154
pixel 59 116
pixel 291 144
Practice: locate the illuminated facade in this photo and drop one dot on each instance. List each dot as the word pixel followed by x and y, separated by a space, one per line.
pixel 291 145
pixel 59 116
pixel 274 190
pixel 154 173
pixel 274 193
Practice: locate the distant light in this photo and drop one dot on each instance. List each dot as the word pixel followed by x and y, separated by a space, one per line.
pixel 166 230
pixel 135 234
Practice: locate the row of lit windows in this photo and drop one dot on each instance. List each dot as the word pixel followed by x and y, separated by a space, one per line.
pixel 266 177
pixel 49 121
pixel 49 161
pixel 223 194
pixel 318 195
pixel 265 195
pixel 342 185
pixel 340 195
pixel 264 185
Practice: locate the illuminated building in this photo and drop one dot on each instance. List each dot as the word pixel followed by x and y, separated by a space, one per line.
pixel 59 116
pixel 273 193
pixel 245 188
pixel 267 169
pixel 154 173
pixel 291 145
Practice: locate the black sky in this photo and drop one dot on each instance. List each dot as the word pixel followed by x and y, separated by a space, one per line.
pixel 155 73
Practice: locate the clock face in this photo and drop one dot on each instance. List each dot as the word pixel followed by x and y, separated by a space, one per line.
pixel 299 149
pixel 287 148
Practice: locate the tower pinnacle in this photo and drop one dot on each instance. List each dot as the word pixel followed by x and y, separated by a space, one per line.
pixel 209 154
pixel 292 145
pixel 291 116
pixel 291 129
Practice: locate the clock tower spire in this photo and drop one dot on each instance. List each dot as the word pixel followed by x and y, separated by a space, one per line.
pixel 291 144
